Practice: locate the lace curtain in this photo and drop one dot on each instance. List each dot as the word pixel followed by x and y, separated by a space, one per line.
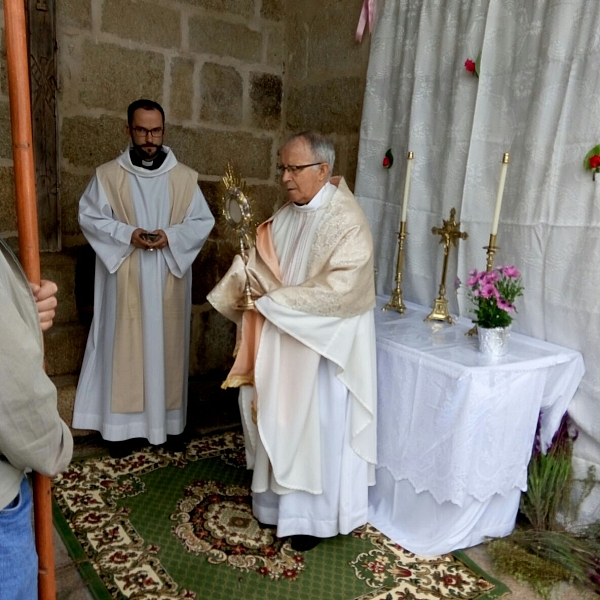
pixel 537 97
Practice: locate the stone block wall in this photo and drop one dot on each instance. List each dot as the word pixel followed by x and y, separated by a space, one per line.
pixel 216 67
pixel 203 60
pixel 325 74
pixel 234 76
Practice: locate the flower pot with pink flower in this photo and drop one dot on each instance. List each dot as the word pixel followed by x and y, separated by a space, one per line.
pixel 493 294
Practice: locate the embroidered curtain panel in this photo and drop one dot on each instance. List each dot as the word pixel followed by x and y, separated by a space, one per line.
pixel 537 97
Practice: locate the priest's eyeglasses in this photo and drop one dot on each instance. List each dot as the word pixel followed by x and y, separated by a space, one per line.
pixel 143 132
pixel 294 169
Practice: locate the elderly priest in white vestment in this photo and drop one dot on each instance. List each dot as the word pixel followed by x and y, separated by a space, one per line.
pixel 305 361
pixel 146 218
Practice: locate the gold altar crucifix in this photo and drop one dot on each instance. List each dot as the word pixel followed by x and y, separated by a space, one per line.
pixel 450 234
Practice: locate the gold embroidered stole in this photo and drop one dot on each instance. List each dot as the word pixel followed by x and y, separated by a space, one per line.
pixel 340 278
pixel 128 351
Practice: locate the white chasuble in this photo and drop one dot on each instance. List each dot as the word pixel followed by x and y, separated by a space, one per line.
pixel 313 449
pixel 133 381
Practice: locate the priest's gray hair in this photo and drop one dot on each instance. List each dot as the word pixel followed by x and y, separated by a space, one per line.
pixel 321 147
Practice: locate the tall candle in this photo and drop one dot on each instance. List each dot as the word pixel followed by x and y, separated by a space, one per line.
pixel 505 160
pixel 409 159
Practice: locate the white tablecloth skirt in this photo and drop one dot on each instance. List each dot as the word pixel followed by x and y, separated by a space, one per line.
pixel 419 524
pixel 458 428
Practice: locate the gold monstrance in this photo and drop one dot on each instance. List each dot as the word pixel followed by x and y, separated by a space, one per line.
pixel 450 234
pixel 238 215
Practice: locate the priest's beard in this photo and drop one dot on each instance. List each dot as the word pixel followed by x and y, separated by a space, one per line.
pixel 147 152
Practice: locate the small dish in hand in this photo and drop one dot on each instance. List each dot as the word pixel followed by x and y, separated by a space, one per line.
pixel 149 237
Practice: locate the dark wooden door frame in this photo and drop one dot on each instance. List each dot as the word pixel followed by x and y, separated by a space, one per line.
pixel 41 24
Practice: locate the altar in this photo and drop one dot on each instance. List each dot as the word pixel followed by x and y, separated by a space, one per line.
pixel 456 429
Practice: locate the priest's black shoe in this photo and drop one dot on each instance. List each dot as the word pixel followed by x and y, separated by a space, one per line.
pixel 302 543
pixel 175 443
pixel 121 449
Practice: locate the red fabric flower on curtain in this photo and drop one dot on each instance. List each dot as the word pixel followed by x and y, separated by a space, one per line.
pixel 470 65
pixel 594 161
pixel 388 159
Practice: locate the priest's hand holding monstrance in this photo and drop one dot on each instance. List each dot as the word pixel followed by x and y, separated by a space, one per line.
pixel 238 215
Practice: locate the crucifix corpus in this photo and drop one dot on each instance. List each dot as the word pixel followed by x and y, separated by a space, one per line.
pixel 450 234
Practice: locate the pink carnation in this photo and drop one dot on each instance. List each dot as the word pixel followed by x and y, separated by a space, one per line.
pixel 488 290
pixel 504 305
pixel 511 272
pixel 492 293
pixel 491 277
pixel 475 277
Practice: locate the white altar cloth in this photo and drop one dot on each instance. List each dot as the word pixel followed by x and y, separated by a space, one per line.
pixel 456 428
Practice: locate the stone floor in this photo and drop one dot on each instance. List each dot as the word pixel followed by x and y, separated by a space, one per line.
pixel 70 585
pixel 563 591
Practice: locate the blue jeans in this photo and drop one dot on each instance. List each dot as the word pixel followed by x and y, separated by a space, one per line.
pixel 18 558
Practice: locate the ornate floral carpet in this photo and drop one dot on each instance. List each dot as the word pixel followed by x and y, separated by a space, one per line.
pixel 159 525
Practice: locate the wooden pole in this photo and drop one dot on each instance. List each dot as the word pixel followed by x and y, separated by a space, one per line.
pixel 17 59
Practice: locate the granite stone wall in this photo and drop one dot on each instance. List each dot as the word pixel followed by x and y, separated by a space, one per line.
pixel 325 74
pixel 234 77
pixel 206 62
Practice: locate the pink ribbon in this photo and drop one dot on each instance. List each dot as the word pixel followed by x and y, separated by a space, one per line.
pixel 366 14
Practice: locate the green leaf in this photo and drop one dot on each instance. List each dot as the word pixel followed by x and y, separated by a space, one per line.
pixel 388 161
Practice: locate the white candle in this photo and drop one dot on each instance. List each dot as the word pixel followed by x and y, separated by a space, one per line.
pixel 505 160
pixel 409 160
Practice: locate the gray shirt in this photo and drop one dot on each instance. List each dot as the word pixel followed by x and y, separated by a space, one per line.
pixel 32 434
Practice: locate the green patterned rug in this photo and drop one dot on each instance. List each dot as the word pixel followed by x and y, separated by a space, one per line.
pixel 159 525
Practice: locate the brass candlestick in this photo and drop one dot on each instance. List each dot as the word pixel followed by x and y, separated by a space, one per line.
pixel 450 234
pixel 396 302
pixel 491 250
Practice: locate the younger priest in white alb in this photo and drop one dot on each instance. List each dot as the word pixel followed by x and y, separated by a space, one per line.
pixel 146 218
pixel 305 361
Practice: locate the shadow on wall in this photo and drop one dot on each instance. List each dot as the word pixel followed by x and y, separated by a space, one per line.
pixel 85 261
